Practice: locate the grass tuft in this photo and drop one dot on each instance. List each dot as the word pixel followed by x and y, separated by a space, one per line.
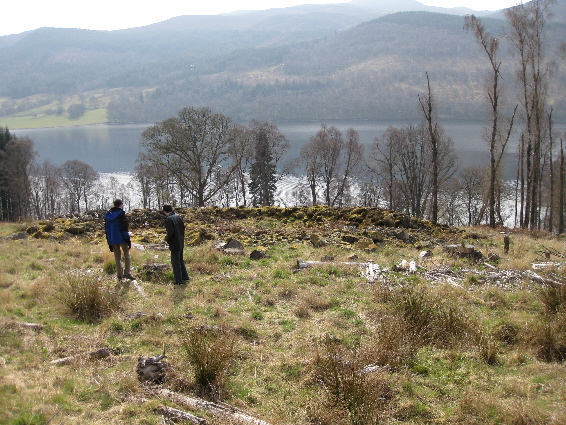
pixel 87 299
pixel 210 352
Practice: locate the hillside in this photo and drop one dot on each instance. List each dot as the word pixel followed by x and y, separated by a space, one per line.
pixel 328 323
pixel 308 62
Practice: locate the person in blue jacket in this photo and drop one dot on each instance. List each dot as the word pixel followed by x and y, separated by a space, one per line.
pixel 118 238
pixel 175 238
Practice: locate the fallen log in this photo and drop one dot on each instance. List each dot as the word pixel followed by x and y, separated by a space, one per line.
pixel 179 415
pixel 219 410
pixel 306 264
pixel 94 355
pixel 33 326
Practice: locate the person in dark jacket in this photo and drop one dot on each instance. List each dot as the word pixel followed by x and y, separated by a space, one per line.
pixel 118 238
pixel 175 238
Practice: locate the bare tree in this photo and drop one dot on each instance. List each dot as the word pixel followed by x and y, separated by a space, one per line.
pixel 428 109
pixel 78 178
pixel 527 36
pixel 351 165
pixel 45 189
pixel 385 156
pixel 497 137
pixel 414 172
pixel 472 181
pixel 241 152
pixel 405 156
pixel 332 162
pixel 194 149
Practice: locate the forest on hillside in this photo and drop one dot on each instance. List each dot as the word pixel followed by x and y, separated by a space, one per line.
pixel 373 70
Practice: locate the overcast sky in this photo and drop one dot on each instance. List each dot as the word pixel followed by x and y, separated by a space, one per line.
pixel 24 15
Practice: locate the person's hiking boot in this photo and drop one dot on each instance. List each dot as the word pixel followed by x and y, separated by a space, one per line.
pixel 129 277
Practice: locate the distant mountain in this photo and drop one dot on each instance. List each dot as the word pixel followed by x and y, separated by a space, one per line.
pixel 387 6
pixel 352 61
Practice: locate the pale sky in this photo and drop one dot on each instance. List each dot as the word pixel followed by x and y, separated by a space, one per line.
pixel 24 15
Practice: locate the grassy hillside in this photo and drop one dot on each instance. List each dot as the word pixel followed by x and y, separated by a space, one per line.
pixel 458 341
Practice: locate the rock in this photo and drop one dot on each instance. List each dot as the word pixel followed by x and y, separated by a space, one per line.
pixel 376 236
pixel 234 251
pixel 49 227
pixel 233 244
pixel 317 240
pixel 403 235
pixel 351 239
pixel 463 251
pixel 257 254
pixel 76 230
pixel 32 229
pixel 19 236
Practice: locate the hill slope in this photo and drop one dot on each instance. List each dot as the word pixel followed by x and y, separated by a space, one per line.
pixel 308 62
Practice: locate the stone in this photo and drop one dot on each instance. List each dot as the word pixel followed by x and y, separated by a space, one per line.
pixel 257 254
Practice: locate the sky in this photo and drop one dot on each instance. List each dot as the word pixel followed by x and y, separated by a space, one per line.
pixel 25 15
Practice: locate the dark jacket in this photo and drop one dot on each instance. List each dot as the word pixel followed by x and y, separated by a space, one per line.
pixel 116 226
pixel 175 232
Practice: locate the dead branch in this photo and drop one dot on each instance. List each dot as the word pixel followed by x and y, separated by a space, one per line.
pixel 33 326
pixel 216 409
pixel 94 355
pixel 554 252
pixel 537 278
pixel 179 415
pixel 306 264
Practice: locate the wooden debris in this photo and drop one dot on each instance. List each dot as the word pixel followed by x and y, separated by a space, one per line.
pixel 178 415
pixel 306 264
pixel 220 410
pixel 94 355
pixel 463 251
pixel 136 285
pixel 33 326
pixel 152 369
pixel 546 265
pixel 552 251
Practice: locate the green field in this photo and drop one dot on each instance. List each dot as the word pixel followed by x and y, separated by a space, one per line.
pixel 97 116
pixel 456 342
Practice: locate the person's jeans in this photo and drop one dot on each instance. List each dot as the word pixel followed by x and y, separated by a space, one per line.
pixel 179 269
pixel 118 249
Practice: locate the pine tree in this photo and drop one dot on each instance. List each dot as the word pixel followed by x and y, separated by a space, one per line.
pixel 262 173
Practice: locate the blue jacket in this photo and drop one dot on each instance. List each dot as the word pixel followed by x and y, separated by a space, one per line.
pixel 116 226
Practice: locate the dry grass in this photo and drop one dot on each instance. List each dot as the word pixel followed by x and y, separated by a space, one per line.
pixel 319 346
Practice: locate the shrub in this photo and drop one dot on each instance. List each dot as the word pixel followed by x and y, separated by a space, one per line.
pixel 436 320
pixel 549 338
pixel 210 351
pixel 352 388
pixel 87 299
pixel 553 297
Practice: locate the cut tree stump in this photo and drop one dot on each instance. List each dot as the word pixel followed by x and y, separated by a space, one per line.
pixel 463 251
pixel 152 369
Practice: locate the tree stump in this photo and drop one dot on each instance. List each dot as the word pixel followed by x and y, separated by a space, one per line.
pixel 152 369
pixel 506 243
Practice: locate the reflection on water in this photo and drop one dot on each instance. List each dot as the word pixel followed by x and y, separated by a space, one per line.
pixel 115 148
